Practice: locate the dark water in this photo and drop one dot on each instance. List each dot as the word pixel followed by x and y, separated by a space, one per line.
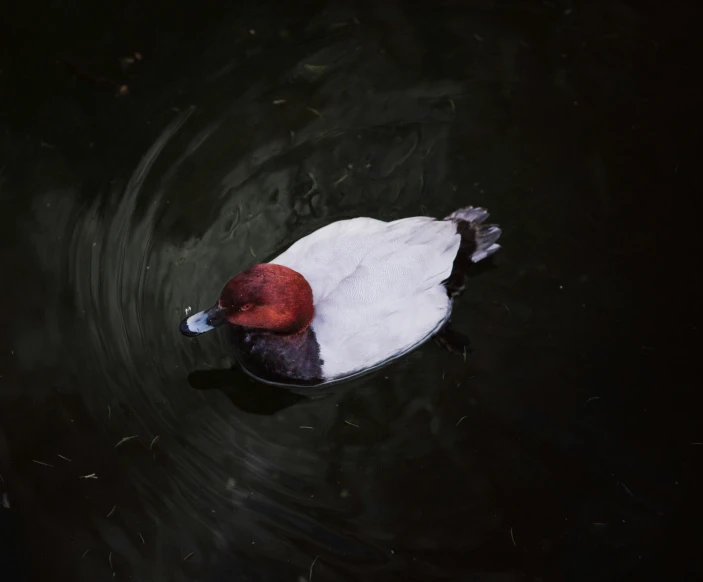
pixel 565 447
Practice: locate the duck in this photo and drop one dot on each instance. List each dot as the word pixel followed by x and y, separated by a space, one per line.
pixel 349 298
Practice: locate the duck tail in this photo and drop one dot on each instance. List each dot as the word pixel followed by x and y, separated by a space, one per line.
pixel 477 239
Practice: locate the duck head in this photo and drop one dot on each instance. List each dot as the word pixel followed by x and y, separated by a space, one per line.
pixel 267 297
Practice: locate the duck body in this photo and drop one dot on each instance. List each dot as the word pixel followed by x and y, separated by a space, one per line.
pixel 350 297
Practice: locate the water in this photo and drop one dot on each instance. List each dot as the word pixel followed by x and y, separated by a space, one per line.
pixel 562 448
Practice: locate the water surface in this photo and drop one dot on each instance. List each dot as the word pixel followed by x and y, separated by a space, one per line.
pixel 562 448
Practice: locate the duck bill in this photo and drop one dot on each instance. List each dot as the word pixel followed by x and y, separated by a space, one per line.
pixel 203 321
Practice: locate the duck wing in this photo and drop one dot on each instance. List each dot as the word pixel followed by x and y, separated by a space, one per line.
pixel 377 287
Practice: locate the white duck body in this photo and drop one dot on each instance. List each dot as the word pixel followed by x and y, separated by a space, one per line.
pixel 378 287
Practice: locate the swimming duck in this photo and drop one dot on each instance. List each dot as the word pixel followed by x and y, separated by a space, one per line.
pixel 348 298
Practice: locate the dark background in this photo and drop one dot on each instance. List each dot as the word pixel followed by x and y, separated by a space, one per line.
pixel 565 447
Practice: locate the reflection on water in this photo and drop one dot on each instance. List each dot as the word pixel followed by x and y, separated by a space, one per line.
pixel 123 455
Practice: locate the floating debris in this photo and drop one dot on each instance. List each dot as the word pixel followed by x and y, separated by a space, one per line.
pixel 512 537
pixel 316 68
pixel 458 423
pixel 340 180
pixel 314 111
pixel 279 101
pixel 626 489
pixel 91 476
pixel 6 501
pixel 311 567
pixel 64 458
pixel 109 413
pixel 188 556
pixel 308 427
pixel 156 438
pixel 351 424
pixel 41 463
pixel 125 439
pixel 111 512
pixel 109 559
pixel 84 553
pixel 478 38
pixel 142 537
pixel 126 62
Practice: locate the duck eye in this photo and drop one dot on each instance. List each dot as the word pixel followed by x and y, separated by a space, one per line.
pixel 246 307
